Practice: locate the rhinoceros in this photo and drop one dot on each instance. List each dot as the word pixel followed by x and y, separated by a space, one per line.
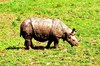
pixel 46 29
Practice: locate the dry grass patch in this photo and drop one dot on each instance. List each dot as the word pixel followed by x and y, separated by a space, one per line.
pixel 4 0
pixel 8 18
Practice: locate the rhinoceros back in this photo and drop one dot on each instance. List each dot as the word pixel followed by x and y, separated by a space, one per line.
pixel 41 28
pixel 44 28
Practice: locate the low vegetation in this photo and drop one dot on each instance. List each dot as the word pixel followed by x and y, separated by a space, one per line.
pixel 80 14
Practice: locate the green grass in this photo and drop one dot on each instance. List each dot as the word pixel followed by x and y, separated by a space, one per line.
pixel 80 14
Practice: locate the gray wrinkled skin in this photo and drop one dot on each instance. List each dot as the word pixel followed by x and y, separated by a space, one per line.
pixel 45 29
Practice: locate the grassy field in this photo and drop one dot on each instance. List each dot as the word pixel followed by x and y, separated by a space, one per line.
pixel 84 15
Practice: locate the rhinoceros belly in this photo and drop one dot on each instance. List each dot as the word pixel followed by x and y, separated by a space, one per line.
pixel 42 28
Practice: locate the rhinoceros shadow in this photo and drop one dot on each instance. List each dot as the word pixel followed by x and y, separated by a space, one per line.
pixel 42 48
pixel 35 48
pixel 14 47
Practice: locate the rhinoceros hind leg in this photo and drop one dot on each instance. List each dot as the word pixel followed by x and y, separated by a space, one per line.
pixel 28 44
pixel 49 43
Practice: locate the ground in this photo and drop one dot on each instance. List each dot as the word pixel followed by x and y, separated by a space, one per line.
pixel 82 15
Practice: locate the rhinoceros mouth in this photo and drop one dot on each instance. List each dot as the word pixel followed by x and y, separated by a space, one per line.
pixel 73 44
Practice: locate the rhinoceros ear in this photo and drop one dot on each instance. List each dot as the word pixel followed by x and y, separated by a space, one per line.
pixel 73 30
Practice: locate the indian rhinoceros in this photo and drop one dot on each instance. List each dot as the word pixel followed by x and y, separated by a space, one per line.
pixel 46 29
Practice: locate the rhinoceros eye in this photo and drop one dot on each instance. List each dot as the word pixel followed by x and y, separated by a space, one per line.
pixel 69 37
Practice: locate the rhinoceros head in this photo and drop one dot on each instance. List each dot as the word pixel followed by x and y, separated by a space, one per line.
pixel 71 39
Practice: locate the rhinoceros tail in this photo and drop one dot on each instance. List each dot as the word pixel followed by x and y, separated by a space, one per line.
pixel 20 31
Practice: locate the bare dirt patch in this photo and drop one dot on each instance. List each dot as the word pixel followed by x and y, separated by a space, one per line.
pixel 8 18
pixel 4 0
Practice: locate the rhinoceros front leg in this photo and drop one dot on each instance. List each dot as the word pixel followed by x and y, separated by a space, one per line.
pixel 49 43
pixel 56 41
